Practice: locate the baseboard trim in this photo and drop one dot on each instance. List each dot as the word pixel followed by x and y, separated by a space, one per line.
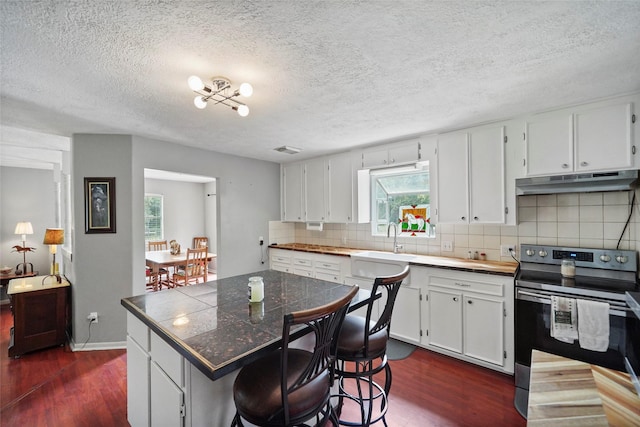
pixel 98 346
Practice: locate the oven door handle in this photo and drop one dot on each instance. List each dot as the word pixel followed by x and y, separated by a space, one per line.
pixel 615 308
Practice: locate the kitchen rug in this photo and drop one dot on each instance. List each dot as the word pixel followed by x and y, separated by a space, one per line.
pixel 398 350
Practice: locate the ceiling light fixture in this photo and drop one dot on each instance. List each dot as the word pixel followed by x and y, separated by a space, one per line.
pixel 220 92
pixel 288 150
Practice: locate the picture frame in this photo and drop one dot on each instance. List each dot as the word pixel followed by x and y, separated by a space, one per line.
pixel 99 205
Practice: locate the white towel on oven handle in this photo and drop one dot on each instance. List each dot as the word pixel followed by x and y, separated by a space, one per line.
pixel 564 319
pixel 593 325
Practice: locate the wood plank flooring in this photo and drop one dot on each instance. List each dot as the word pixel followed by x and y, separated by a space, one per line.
pixel 57 387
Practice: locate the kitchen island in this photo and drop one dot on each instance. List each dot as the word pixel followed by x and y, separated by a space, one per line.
pixel 185 345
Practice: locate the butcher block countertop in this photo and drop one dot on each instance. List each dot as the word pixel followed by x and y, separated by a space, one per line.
pixel 567 392
pixel 476 266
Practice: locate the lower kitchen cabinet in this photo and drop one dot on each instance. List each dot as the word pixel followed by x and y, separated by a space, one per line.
pixel 405 320
pixel 467 315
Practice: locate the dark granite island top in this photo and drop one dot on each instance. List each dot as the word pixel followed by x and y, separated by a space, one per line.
pixel 215 327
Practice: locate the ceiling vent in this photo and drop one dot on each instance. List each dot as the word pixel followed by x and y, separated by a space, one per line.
pixel 288 150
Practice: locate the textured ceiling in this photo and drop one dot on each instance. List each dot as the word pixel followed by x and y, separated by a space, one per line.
pixel 327 75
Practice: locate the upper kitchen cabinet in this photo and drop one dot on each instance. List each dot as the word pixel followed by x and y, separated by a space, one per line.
pixel 590 138
pixel 314 190
pixel 292 191
pixel 340 188
pixel 391 154
pixel 471 176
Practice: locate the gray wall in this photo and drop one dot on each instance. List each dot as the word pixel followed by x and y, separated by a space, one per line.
pixel 108 267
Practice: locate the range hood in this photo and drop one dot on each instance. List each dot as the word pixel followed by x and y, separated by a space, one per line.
pixel 578 183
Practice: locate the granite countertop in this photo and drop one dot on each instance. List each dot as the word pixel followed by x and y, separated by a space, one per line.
pixel 477 266
pixel 567 392
pixel 215 327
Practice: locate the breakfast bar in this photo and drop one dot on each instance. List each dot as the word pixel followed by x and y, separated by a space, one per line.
pixel 185 345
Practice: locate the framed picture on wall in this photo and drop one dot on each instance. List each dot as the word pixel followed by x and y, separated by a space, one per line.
pixel 99 205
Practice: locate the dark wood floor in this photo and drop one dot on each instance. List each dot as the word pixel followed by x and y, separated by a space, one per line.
pixel 57 387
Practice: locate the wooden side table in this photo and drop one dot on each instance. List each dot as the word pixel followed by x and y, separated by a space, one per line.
pixel 5 278
pixel 40 313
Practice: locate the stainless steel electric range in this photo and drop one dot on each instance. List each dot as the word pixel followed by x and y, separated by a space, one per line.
pixel 599 275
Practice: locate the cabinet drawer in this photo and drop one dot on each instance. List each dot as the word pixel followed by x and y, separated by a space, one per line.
pixel 168 359
pixel 328 276
pixel 138 331
pixel 328 265
pixel 303 272
pixel 281 267
pixel 280 259
pixel 496 289
pixel 303 262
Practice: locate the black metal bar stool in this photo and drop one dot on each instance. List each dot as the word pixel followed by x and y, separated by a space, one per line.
pixel 362 345
pixel 291 386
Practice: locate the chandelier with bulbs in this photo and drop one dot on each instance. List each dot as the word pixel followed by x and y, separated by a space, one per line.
pixel 219 92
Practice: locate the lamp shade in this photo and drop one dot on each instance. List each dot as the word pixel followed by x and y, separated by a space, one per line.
pixel 24 228
pixel 53 236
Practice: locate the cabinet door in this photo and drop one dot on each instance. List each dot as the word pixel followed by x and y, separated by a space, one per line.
pixel 603 138
pixel 367 285
pixel 314 190
pixel 340 189
pixel 453 200
pixel 445 319
pixel 292 194
pixel 167 399
pixel 549 144
pixel 138 402
pixel 483 329
pixel 486 172
pixel 405 320
pixel 375 157
pixel 405 152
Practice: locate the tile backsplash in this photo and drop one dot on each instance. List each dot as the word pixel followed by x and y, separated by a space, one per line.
pixel 594 220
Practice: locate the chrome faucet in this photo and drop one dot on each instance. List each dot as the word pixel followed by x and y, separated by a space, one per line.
pixel 396 246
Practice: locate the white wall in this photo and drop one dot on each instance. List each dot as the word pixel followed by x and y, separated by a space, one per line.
pixel 26 195
pixel 183 209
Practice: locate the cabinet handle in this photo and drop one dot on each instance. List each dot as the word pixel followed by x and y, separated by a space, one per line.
pixel 463 218
pixel 564 165
pixel 469 302
pixel 393 160
pixel 584 164
pixel 455 299
pixel 475 218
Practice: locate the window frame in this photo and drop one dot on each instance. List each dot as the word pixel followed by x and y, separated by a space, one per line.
pixel 147 238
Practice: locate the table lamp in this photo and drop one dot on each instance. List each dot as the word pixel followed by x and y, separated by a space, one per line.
pixel 53 237
pixel 24 228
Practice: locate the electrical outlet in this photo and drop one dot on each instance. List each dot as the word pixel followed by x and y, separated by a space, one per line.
pixel 261 240
pixel 505 250
pixel 447 246
pixel 93 317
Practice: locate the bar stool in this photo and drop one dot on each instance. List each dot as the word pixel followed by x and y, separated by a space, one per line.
pixel 362 345
pixel 292 385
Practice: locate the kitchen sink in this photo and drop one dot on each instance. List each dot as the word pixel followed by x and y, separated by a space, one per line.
pixel 372 264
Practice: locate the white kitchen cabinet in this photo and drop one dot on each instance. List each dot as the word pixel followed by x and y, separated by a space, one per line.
pixel 292 191
pixel 445 319
pixel 467 315
pixel 588 138
pixel 280 260
pixel 302 266
pixel 314 190
pixel 483 328
pixel 471 176
pixel 391 154
pixel 138 375
pixel 366 284
pixel 167 399
pixel 340 183
pixel 405 319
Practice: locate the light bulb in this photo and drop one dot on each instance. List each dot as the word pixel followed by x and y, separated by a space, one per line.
pixel 199 102
pixel 246 90
pixel 243 110
pixel 195 83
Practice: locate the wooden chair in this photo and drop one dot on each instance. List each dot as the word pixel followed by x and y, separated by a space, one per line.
pixel 194 269
pixel 155 281
pixel 362 352
pixel 292 385
pixel 199 242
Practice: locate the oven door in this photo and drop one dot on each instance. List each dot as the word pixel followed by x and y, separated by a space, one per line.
pixel 533 331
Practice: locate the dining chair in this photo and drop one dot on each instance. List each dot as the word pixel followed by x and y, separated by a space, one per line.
pixel 362 352
pixel 154 281
pixel 291 385
pixel 195 268
pixel 199 242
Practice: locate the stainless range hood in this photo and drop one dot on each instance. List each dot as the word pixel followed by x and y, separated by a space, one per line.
pixel 578 183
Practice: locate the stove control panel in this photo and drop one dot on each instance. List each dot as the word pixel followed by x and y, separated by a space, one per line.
pixel 608 259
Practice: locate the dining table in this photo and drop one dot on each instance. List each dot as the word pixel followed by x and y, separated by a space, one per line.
pixel 163 259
